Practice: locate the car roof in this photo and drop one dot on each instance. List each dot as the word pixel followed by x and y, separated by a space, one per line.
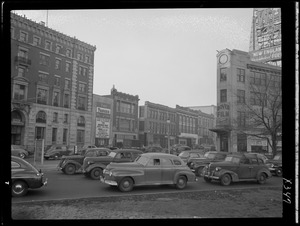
pixel 159 154
pixel 126 150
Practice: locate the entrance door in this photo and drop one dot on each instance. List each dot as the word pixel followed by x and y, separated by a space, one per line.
pixel 224 142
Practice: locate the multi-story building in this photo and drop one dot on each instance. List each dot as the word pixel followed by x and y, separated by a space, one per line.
pixel 157 124
pixel 242 86
pixel 51 85
pixel 102 121
pixel 187 126
pixel 125 119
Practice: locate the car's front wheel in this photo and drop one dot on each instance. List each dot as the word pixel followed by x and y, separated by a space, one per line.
pixel 126 184
pixel 96 173
pixel 19 188
pixel 69 169
pixel 181 182
pixel 262 178
pixel 278 172
pixel 225 179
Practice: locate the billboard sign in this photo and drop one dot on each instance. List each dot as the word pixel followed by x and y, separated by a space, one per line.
pixel 102 127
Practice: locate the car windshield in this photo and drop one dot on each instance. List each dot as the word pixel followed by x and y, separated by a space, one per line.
pixel 112 154
pixel 232 159
pixel 210 155
pixel 184 154
pixel 142 160
pixel 277 157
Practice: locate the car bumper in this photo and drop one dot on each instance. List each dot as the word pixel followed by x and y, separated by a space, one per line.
pixel 110 182
pixel 210 175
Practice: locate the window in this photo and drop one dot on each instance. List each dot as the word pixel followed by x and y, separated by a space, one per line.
pixel 80 136
pixel 43 78
pixel 79 56
pixel 57 81
pixel 44 60
pixel 241 118
pixel 81 121
pixel 42 96
pixel 12 32
pixel 66 118
pixel 48 45
pixel 241 75
pixel 66 100
pixel 40 132
pixel 55 117
pixel 68 53
pixel 67 84
pixel 23 53
pixel 21 71
pixel 40 117
pixel 23 36
pixel 57 64
pixel 68 66
pixel 55 98
pixel 81 87
pixel 258 78
pixel 87 59
pixel 223 95
pixel 19 92
pixel 58 48
pixel 258 99
pixel 241 96
pixel 36 41
pixel 82 71
pixel 65 135
pixel 54 135
pixel 125 107
pixel 81 103
pixel 223 74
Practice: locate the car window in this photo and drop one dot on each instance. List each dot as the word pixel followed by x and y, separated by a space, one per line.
pixel 90 153
pixel 254 161
pixel 194 155
pixel 245 161
pixel 184 154
pixel 112 154
pixel 154 162
pixel 135 154
pixel 260 161
pixel 15 165
pixel 166 162
pixel 101 153
pixel 177 162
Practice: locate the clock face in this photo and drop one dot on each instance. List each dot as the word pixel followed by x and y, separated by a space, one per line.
pixel 223 59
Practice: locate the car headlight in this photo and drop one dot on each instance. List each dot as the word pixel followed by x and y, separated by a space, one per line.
pixel 110 173
pixel 192 164
pixel 218 169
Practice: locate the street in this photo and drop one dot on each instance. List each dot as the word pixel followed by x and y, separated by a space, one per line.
pixel 61 186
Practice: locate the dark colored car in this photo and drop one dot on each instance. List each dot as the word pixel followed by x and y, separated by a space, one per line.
pixel 94 166
pixel 25 176
pixel 194 154
pixel 197 164
pixel 57 151
pixel 84 148
pixel 275 165
pixel 73 163
pixel 19 151
pixel 237 167
pixel 148 169
pixel 178 148
pixel 152 149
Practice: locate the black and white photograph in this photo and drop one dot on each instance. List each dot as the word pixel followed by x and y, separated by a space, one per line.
pixel 151 113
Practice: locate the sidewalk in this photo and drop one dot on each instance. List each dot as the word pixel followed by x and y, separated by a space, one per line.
pixel 47 165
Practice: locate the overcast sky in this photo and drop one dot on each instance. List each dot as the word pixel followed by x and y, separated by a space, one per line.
pixel 166 56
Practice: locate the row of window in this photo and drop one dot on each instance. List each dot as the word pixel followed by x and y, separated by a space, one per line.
pixel 41 117
pixel 125 125
pixel 240 75
pixel 124 107
pixel 161 115
pixel 48 45
pixel 161 128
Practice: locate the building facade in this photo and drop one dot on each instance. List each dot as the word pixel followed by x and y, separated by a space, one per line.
pixel 51 85
pixel 102 121
pixel 157 124
pixel 125 119
pixel 241 86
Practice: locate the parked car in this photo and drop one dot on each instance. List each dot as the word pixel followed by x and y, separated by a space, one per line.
pixel 17 150
pixel 197 164
pixel 152 149
pixel 178 148
pixel 73 163
pixel 25 176
pixel 93 166
pixel 84 148
pixel 194 154
pixel 263 157
pixel 148 169
pixel 57 151
pixel 275 165
pixel 238 167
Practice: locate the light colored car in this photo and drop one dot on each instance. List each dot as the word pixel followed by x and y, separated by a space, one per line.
pixel 148 169
pixel 18 151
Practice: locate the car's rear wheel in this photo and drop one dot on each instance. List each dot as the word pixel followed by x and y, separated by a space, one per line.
pixel 22 155
pixel 96 173
pixel 19 188
pixel 225 179
pixel 181 182
pixel 262 178
pixel 278 172
pixel 126 184
pixel 69 169
pixel 207 179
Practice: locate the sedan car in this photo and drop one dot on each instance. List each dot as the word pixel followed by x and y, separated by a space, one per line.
pixel 17 150
pixel 275 165
pixel 25 176
pixel 195 154
pixel 57 151
pixel 238 167
pixel 148 169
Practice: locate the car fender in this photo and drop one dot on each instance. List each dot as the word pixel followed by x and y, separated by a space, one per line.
pixel 234 176
pixel 77 165
pixel 190 176
pixel 94 165
pixel 267 172
pixel 136 175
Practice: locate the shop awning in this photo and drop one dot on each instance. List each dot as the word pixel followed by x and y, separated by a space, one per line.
pixel 220 130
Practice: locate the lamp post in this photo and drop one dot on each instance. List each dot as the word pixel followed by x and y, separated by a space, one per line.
pixel 168 122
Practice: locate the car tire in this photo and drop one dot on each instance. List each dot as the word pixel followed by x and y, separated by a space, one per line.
pixel 225 179
pixel 19 188
pixel 69 169
pixel 126 184
pixel 22 155
pixel 181 182
pixel 278 172
pixel 262 178
pixel 208 180
pixel 96 173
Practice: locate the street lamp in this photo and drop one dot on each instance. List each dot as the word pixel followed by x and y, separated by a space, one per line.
pixel 168 122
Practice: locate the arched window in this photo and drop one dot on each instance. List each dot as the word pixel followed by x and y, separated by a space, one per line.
pixel 81 121
pixel 41 117
pixel 16 116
